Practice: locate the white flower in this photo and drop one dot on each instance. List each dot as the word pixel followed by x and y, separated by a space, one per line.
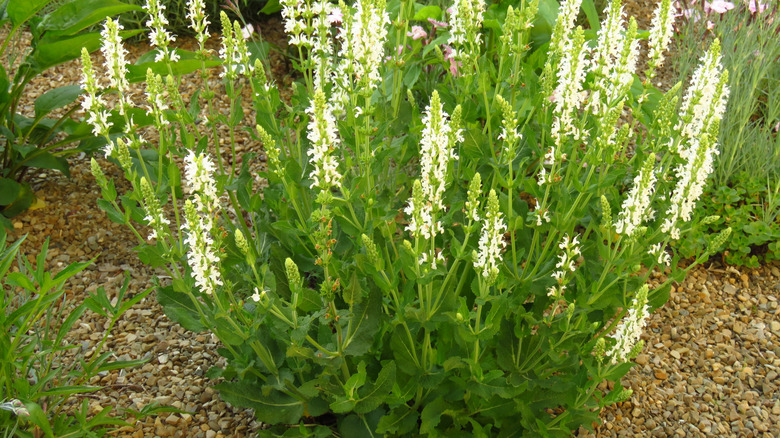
pixel 636 206
pixel 491 241
pixel 158 36
pixel 234 53
pixel 437 149
pixel 115 62
pixel 201 254
pixel 199 180
pixel 362 43
pixel 258 295
pixel 198 21
pixel 705 99
pixel 691 177
pixel 323 135
pixel 658 251
pixel 660 34
pixel 569 95
pixel 630 328
pixel 154 214
pixel 465 21
pixel 566 264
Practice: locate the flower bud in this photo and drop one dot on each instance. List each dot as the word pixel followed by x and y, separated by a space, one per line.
pixel 570 312
pixel 371 252
pixel 293 276
pixel 600 349
pixel 720 239
pixel 638 347
pixel 710 219
pixel 606 212
pixel 241 242
pixel 97 172
pixel 472 204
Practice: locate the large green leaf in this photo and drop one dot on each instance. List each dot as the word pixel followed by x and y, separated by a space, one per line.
pixel 52 50
pixel 272 407
pixel 22 202
pixel 77 15
pixel 19 11
pixel 376 394
pixel 180 308
pixel 45 160
pixel 56 98
pixel 9 190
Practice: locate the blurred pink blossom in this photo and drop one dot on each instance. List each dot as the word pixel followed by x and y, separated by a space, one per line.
pixel 436 24
pixel 449 55
pixel 754 6
pixel 719 6
pixel 417 32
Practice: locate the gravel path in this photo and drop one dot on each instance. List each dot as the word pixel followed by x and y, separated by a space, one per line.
pixel 710 367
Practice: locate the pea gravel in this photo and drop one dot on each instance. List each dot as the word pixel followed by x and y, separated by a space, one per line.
pixel 710 366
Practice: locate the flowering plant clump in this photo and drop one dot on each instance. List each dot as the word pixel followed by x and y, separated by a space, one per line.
pixel 454 234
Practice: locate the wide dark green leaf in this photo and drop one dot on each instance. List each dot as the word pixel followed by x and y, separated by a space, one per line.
pixel 179 307
pixel 23 201
pixel 77 15
pixel 19 11
pixel 372 396
pixel 56 98
pixel 274 407
pixel 52 51
pixel 9 190
pixel 45 160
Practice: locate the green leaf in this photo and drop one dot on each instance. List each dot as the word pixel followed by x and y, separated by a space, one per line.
pixel 401 421
pixel 179 307
pixel 120 364
pixel 9 190
pixel 431 415
pixel 56 98
pixel 364 324
pixel 69 390
pixel 412 74
pixel 113 214
pixel 77 15
pixel 374 395
pixel 45 160
pixel 56 50
pixel 19 11
pixel 22 202
pixel 271 7
pixel 427 12
pixel 39 418
pixel 227 333
pixel 272 407
pixel 354 426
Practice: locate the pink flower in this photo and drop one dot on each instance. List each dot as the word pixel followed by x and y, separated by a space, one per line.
pixel 436 24
pixel 417 33
pixel 335 16
pixel 449 55
pixel 721 6
pixel 755 6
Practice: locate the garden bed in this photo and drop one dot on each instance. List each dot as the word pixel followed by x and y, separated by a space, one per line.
pixel 710 366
